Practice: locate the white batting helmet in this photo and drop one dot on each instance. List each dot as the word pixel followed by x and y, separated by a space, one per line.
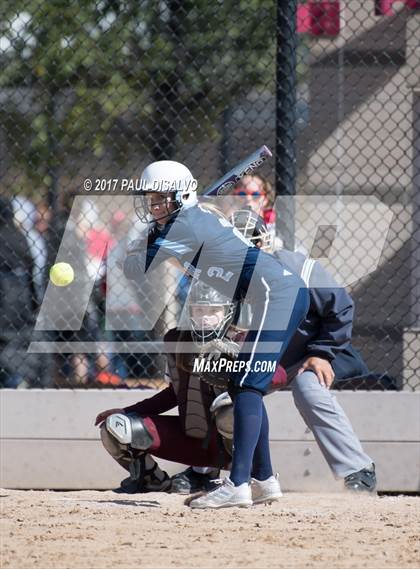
pixel 170 178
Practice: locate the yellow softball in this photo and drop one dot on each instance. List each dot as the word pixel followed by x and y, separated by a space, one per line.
pixel 61 274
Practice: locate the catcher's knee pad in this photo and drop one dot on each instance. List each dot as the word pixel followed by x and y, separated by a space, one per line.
pixel 222 411
pixel 115 448
pixel 122 434
pixel 150 478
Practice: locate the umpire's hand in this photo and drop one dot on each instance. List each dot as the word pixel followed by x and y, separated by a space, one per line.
pixel 102 416
pixel 322 368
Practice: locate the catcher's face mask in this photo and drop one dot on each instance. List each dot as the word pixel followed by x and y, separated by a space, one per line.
pixel 252 226
pixel 209 322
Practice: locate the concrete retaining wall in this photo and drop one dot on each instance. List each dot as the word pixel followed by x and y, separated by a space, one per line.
pixel 48 440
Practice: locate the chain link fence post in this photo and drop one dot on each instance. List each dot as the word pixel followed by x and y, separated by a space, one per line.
pixel 286 61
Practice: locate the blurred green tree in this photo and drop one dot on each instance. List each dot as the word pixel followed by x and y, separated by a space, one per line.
pixel 118 75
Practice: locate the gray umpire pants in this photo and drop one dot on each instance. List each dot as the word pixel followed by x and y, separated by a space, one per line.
pixel 330 426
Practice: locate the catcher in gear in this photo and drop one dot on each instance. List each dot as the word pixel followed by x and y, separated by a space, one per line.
pixel 189 437
pixel 132 435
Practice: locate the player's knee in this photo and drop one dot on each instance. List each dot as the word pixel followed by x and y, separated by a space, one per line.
pixel 111 444
pixel 124 436
pixel 305 388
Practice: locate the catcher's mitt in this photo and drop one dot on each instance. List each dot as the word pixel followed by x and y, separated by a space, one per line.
pixel 216 362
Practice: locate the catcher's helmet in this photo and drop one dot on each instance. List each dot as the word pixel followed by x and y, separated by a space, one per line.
pixel 175 184
pixel 210 313
pixel 252 226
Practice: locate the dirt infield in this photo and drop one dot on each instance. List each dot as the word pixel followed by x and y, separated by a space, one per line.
pixel 77 530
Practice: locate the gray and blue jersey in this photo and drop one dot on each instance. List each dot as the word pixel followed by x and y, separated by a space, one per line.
pixel 209 249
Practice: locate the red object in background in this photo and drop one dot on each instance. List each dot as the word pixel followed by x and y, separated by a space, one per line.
pixel 303 19
pixel 319 18
pixel 269 216
pixel 97 243
pixel 108 378
pixel 385 7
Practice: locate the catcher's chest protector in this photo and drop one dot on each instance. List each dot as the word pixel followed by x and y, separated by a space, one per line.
pixel 194 400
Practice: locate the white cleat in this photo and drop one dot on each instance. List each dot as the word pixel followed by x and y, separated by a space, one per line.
pixel 227 495
pixel 266 491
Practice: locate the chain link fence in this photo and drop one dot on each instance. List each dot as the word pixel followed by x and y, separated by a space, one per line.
pixel 96 90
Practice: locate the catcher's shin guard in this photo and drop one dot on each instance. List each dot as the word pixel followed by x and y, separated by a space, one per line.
pixel 145 476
